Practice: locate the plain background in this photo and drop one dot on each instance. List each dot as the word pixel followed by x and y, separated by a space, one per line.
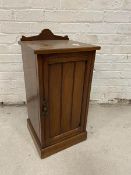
pixel 102 22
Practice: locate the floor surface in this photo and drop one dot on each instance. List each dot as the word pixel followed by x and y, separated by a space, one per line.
pixel 107 151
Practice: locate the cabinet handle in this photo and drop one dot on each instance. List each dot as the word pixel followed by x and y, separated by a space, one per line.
pixel 44 108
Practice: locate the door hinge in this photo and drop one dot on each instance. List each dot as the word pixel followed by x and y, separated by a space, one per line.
pixel 44 108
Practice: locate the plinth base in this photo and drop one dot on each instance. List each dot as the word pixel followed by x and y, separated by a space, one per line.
pixel 47 151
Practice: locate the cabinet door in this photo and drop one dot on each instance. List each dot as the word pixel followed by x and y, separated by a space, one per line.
pixel 65 90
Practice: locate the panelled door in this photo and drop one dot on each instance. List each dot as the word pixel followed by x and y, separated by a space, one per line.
pixel 65 84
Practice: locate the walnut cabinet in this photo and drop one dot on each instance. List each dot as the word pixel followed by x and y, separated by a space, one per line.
pixel 58 74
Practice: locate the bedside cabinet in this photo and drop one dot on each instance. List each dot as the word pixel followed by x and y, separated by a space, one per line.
pixel 58 74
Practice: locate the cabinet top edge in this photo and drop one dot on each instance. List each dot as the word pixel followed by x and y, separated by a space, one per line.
pixel 58 46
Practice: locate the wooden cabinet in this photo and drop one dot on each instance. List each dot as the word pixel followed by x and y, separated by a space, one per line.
pixel 58 74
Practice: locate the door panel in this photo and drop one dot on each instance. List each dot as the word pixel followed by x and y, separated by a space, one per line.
pixel 67 91
pixel 64 93
pixel 54 99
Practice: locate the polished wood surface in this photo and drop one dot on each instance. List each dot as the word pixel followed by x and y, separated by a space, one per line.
pixel 45 34
pixel 65 89
pixel 58 46
pixel 54 100
pixel 66 95
pixel 32 87
pixel 58 75
pixel 46 42
pixel 47 151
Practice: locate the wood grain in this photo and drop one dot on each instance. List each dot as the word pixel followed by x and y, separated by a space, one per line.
pixel 32 88
pixel 45 34
pixel 67 88
pixel 47 151
pixel 77 94
pixel 54 98
pixel 58 75
pixel 58 46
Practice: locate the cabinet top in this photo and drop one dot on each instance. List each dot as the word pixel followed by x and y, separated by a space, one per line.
pixel 58 46
pixel 46 42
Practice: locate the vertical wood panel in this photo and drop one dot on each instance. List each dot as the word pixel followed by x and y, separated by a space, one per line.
pixel 89 81
pixel 67 87
pixel 31 85
pixel 54 98
pixel 77 93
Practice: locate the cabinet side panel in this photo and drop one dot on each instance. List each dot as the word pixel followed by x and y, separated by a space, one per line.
pixel 32 88
pixel 77 93
pixel 87 87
